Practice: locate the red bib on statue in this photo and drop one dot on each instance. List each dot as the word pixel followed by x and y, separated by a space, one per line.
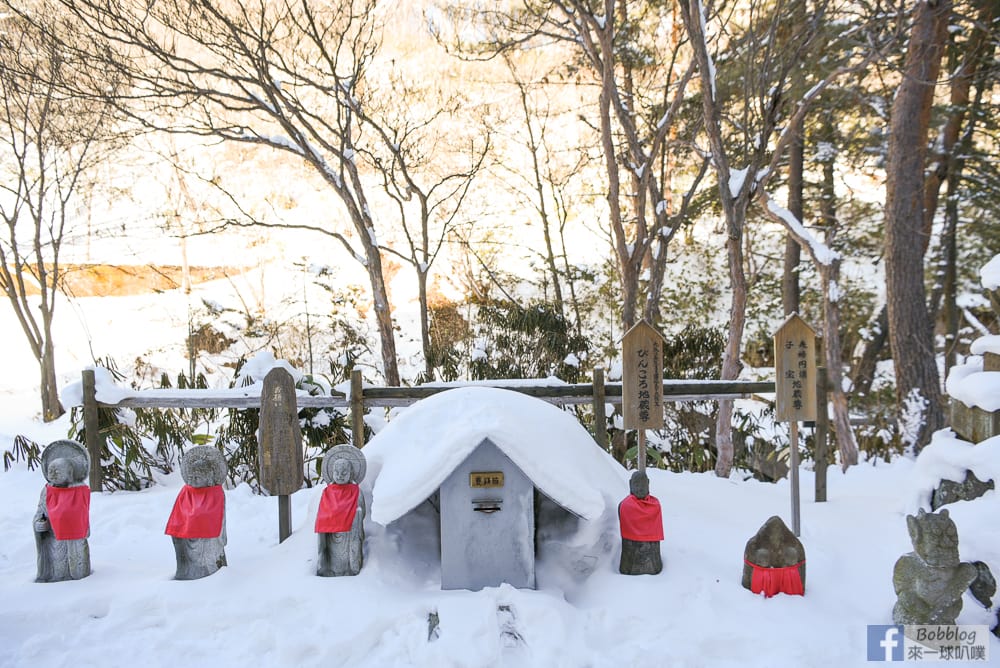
pixel 781 580
pixel 197 513
pixel 641 519
pixel 337 508
pixel 68 509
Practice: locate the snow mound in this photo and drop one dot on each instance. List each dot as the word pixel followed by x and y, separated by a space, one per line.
pixel 974 387
pixel 948 457
pixel 410 458
pixel 990 273
pixel 985 344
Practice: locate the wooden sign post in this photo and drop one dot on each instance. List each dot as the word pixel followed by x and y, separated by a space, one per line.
pixel 794 390
pixel 642 382
pixel 280 439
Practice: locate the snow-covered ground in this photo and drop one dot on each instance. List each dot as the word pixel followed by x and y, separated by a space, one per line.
pixel 267 608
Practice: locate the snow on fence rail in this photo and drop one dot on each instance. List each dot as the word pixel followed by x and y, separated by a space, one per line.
pixel 597 393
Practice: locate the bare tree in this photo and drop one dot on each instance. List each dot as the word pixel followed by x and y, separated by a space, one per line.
pixel 745 126
pixel 428 196
pixel 547 185
pixel 640 84
pixel 50 138
pixel 296 76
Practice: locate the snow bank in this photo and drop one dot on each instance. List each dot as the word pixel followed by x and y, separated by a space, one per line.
pixel 412 456
pixel 974 387
pixel 990 273
pixel 948 457
pixel 985 344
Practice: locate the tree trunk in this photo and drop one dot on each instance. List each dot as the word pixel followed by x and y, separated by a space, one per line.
pixel 864 370
pixel 52 408
pixel 949 281
pixel 918 392
pixel 846 445
pixel 629 272
pixel 790 288
pixel 383 316
pixel 731 364
pixel 425 325
pixel 954 144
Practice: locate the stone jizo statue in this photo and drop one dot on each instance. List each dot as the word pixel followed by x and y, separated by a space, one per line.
pixel 641 521
pixel 930 581
pixel 774 561
pixel 340 520
pixel 62 522
pixel 197 523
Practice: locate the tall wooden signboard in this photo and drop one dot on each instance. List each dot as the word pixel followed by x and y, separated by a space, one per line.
pixel 280 440
pixel 795 390
pixel 642 382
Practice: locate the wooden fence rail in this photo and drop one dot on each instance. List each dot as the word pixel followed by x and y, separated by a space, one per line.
pixel 597 393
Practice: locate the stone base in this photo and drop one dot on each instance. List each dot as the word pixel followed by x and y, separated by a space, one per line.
pixel 198 557
pixel 640 557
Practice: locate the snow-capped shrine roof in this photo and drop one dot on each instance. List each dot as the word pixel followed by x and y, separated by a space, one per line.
pixel 414 453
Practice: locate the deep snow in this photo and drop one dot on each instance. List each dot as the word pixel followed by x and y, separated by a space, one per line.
pixel 267 607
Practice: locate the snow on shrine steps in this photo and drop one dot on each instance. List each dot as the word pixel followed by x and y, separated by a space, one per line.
pixel 412 455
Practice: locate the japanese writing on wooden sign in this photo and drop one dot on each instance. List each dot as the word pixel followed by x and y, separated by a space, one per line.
pixel 279 437
pixel 642 377
pixel 795 371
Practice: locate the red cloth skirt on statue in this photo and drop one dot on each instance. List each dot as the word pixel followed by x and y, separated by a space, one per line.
pixel 778 580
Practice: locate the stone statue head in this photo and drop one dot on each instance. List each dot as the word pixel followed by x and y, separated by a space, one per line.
pixel 934 537
pixel 343 464
pixel 60 472
pixel 203 466
pixel 638 485
pixel 65 463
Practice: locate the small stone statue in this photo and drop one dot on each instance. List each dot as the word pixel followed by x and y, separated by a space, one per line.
pixel 341 516
pixel 930 581
pixel 774 561
pixel 197 523
pixel 62 522
pixel 642 529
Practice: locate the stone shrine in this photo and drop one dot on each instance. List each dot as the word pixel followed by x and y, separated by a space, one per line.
pixel 487 523
pixel 503 477
pixel 62 521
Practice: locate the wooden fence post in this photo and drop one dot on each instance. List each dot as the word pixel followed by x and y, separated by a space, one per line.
pixel 600 419
pixel 821 433
pixel 92 429
pixel 357 409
